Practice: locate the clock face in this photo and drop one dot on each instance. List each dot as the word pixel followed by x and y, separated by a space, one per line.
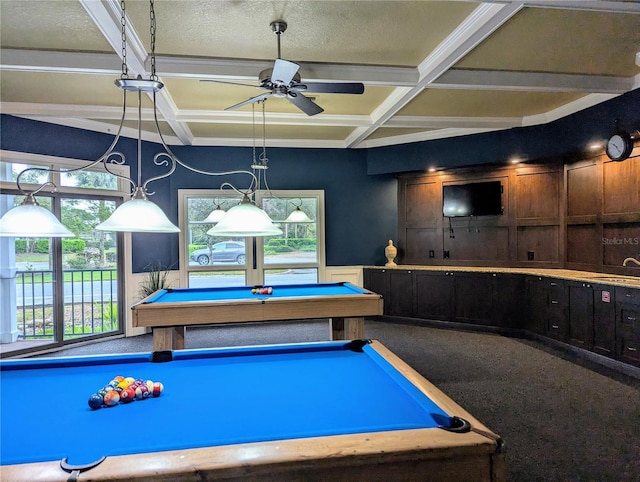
pixel 617 147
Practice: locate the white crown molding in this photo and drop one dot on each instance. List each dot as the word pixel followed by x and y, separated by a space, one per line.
pixel 105 128
pixel 421 136
pixel 567 109
pixel 436 122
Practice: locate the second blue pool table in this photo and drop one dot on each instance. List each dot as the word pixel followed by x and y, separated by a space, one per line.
pixel 170 311
pixel 312 411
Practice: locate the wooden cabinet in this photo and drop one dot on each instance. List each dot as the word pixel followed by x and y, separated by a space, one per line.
pixel 557 322
pixel 628 324
pixel 546 307
pixel 473 298
pixel 580 314
pixel 508 292
pixel 434 295
pixel 377 280
pixel 396 288
pixel 595 317
pixel 401 302
pixel 536 294
pixel 604 321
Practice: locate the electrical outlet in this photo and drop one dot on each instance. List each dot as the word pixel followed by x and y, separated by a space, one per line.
pixel 530 255
pixel 432 253
pixel 445 254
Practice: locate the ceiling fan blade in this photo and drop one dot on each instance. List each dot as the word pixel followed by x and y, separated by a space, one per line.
pixel 306 105
pixel 329 88
pixel 257 98
pixel 283 71
pixel 230 83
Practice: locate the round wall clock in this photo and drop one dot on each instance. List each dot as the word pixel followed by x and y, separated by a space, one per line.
pixel 619 146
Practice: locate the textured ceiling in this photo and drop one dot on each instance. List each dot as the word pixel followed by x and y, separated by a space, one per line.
pixel 430 69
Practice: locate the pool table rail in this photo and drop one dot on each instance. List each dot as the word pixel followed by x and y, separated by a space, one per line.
pixel 430 454
pixel 169 319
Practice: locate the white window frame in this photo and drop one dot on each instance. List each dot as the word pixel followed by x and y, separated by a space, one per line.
pixel 252 276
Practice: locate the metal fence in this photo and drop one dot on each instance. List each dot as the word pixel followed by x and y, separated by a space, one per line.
pixel 89 303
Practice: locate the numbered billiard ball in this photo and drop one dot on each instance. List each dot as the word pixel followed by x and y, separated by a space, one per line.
pixel 127 395
pixel 96 401
pixel 157 389
pixel 111 398
pixel 142 392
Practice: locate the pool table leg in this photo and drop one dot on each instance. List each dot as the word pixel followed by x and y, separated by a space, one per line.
pixel 168 338
pixel 347 328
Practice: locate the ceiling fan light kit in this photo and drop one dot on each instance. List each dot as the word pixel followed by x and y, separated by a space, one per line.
pixel 284 81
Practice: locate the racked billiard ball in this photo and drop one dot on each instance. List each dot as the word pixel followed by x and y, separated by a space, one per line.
pixel 96 401
pixel 111 398
pixel 142 392
pixel 157 389
pixel 127 395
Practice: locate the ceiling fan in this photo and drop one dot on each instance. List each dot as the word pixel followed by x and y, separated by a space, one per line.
pixel 283 81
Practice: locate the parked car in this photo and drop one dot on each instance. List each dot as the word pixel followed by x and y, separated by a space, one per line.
pixel 226 251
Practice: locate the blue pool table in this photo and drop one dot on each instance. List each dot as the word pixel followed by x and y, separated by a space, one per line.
pixel 335 410
pixel 170 311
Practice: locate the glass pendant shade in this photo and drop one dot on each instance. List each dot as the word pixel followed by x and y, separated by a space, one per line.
pixel 298 216
pixel 30 220
pixel 243 220
pixel 215 216
pixel 138 215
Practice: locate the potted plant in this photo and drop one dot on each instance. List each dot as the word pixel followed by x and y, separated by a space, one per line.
pixel 156 279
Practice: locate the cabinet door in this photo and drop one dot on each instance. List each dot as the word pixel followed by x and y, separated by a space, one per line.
pixel 401 293
pixel 473 298
pixel 536 305
pixel 434 295
pixel 507 300
pixel 604 321
pixel 377 280
pixel 628 325
pixel 580 308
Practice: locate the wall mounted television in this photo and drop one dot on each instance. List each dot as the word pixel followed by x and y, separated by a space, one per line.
pixel 474 199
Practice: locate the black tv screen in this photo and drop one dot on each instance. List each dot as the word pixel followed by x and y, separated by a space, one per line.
pixel 475 199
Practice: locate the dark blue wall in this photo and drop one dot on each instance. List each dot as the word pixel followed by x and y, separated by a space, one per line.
pixel 360 190
pixel 361 210
pixel 556 140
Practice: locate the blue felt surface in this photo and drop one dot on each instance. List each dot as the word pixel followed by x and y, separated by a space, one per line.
pixel 179 295
pixel 211 397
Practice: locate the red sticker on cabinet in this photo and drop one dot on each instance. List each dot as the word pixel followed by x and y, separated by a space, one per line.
pixel 606 297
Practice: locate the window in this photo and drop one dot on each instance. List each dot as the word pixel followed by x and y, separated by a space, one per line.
pixel 85 300
pixel 294 257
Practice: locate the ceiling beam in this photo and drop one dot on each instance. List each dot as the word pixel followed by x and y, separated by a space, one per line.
pixel 531 81
pixel 482 22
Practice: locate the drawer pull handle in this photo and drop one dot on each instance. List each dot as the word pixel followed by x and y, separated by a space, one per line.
pixel 554 284
pixel 554 302
pixel 630 348
pixel 631 318
pixel 555 327
pixel 628 295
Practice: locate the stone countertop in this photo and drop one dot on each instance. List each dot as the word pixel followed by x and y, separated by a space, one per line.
pixel 567 274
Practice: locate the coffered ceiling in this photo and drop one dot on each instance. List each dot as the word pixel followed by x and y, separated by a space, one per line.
pixel 431 69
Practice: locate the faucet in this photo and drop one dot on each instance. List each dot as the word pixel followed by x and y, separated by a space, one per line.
pixel 633 260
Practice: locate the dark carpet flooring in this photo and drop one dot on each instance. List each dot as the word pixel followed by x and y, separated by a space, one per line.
pixel 562 419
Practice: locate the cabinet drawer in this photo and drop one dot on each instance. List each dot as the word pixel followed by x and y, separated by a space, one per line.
pixel 627 296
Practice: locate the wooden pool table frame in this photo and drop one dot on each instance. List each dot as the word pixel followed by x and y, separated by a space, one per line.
pixel 169 319
pixel 418 454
